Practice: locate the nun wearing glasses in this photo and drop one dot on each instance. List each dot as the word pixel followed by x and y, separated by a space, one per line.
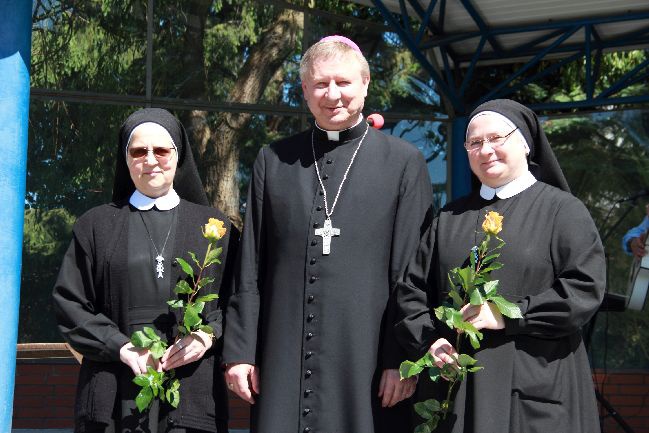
pixel 120 271
pixel 536 376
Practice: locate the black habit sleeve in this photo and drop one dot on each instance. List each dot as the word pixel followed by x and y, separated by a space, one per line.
pixel 414 328
pixel 415 203
pixel 83 326
pixel 242 314
pixel 580 274
pixel 215 317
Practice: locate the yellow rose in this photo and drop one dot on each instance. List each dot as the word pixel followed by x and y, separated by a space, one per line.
pixel 214 230
pixel 493 223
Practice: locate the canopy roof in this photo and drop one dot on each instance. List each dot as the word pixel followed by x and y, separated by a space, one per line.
pixel 447 35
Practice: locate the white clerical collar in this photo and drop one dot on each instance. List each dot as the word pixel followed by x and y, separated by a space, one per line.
pixel 335 135
pixel 143 202
pixel 510 189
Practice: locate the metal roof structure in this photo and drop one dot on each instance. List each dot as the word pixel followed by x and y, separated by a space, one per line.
pixel 450 38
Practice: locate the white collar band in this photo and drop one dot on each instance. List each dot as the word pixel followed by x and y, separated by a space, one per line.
pixel 510 189
pixel 144 202
pixel 335 135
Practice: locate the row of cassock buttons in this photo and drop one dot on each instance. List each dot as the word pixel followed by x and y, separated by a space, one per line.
pixel 310 298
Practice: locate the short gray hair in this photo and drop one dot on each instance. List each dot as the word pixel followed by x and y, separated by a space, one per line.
pixel 327 50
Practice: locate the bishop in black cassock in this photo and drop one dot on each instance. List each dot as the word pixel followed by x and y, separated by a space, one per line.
pixel 313 330
pixel 536 376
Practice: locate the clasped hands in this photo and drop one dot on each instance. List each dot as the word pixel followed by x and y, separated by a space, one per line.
pixel 484 316
pixel 243 380
pixel 188 349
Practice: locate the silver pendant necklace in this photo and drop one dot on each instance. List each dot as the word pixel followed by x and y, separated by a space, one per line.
pixel 159 258
pixel 328 230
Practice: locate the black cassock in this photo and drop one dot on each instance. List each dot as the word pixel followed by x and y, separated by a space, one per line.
pixel 314 323
pixel 536 375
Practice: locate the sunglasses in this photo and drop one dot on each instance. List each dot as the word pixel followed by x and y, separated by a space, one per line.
pixel 162 154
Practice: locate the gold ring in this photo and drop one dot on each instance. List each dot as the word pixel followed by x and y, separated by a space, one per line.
pixel 231 385
pixel 180 345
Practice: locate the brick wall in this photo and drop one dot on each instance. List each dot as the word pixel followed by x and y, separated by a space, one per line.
pixel 45 389
pixel 44 396
pixel 628 393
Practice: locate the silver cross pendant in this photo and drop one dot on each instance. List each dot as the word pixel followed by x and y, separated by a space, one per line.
pixel 159 267
pixel 327 232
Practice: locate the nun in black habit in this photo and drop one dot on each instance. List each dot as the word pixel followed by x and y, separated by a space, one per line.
pixel 536 375
pixel 111 283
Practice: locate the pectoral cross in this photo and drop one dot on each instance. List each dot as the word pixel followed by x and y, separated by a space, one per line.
pixel 327 232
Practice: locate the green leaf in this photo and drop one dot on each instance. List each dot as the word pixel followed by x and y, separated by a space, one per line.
pixel 466 275
pixel 490 288
pixel 455 296
pixel 183 288
pixel 506 308
pixel 199 305
pixel 213 256
pixel 434 373
pixel 475 297
pixel 207 298
pixel 408 369
pixel 426 360
pixel 185 266
pixel 449 371
pixel 158 349
pixel 173 398
pixel 142 380
pixel 191 317
pixel 487 260
pixel 182 330
pixel 138 339
pixel 193 256
pixel 176 303
pixel 465 360
pixel 207 329
pixel 143 399
pixel 492 267
pixel 150 332
pixel 205 281
pixel 427 408
pixel 423 428
pixel 474 369
pixel 439 313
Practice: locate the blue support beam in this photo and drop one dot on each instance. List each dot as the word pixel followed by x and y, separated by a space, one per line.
pixel 15 46
pixel 460 169
pixel 569 39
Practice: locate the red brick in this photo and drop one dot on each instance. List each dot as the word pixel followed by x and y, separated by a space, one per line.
pixel 634 390
pixel 30 379
pixel 33 412
pixel 66 390
pixel 239 413
pixel 36 390
pixel 60 401
pixel 632 379
pixel 30 423
pixel 33 369
pixel 59 423
pixel 31 401
pixel 66 380
pixel 238 424
pixel 65 369
pixel 619 401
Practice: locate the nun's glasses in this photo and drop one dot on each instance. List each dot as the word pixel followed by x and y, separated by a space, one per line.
pixel 474 145
pixel 162 154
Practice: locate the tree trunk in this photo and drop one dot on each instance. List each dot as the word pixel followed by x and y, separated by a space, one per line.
pixel 217 146
pixel 276 44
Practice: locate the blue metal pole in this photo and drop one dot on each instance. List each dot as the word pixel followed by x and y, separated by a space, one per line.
pixel 15 46
pixel 460 170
